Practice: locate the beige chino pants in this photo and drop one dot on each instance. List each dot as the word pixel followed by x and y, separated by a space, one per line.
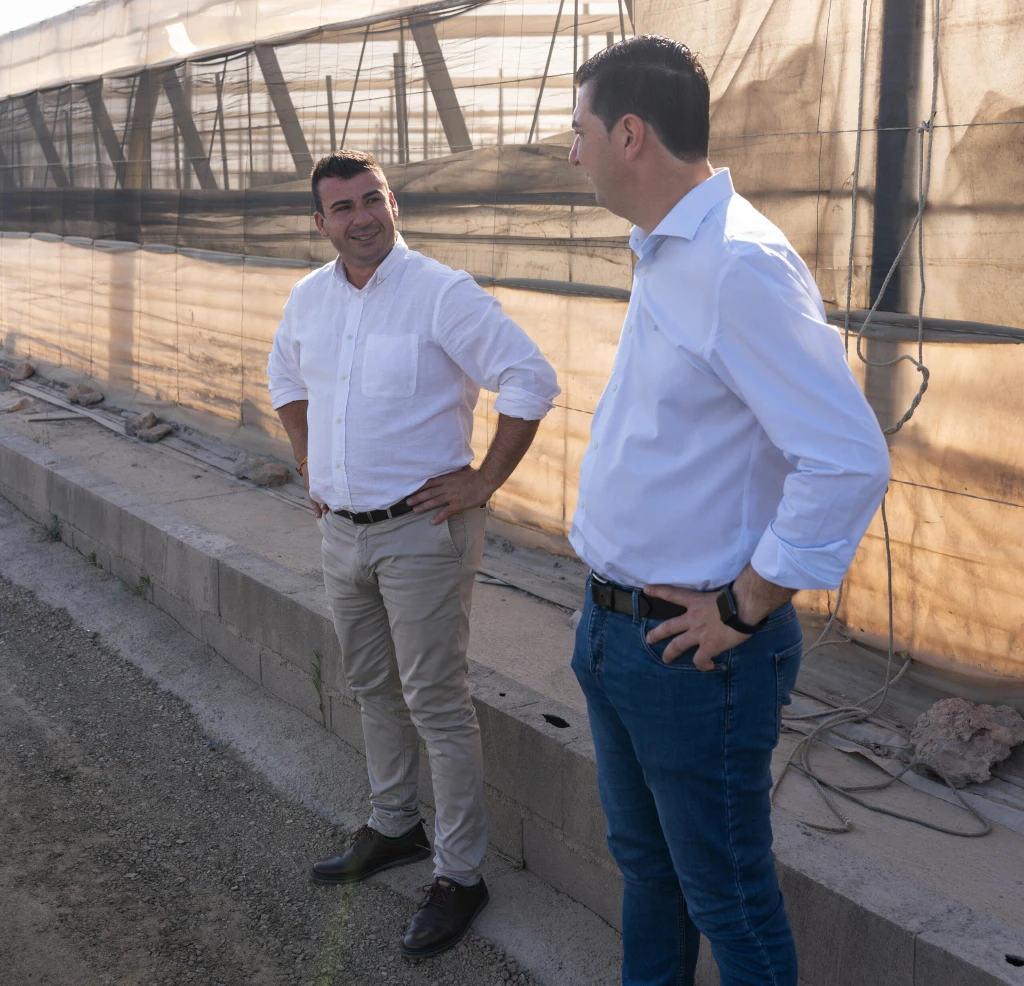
pixel 400 593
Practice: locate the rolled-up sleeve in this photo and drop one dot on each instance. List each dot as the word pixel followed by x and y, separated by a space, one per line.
pixel 493 351
pixel 284 378
pixel 773 349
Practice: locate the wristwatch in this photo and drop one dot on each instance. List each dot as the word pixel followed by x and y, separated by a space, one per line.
pixel 730 614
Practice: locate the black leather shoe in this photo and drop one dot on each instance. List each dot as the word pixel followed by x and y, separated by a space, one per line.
pixel 370 853
pixel 443 918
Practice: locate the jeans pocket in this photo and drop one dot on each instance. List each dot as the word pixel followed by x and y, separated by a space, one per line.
pixel 684 662
pixel 787 665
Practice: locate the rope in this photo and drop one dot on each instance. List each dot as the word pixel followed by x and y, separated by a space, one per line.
pixel 832 719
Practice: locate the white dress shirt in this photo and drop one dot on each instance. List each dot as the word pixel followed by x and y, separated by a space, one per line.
pixel 392 372
pixel 731 429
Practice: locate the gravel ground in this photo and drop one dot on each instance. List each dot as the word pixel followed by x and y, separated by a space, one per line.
pixel 135 849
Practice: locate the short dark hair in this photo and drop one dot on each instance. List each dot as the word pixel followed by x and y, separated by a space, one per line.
pixel 342 164
pixel 659 80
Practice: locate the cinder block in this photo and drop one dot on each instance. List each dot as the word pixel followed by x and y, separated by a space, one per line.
pixel 583 818
pixel 504 825
pixel 264 601
pixel 291 685
pixel 183 613
pixel 96 552
pixel 346 721
pixel 23 472
pixel 967 948
pixel 521 762
pixel 74 494
pixel 425 780
pixel 707 970
pixel 243 654
pixel 841 942
pixel 572 870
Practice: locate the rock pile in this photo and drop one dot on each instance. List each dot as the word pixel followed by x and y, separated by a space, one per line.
pixel 84 395
pixel 963 740
pixel 146 428
pixel 262 472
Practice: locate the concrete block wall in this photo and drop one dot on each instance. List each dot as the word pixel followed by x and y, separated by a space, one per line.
pixel 856 920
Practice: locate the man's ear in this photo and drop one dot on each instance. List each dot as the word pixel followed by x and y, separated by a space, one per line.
pixel 321 227
pixel 633 135
pixel 394 202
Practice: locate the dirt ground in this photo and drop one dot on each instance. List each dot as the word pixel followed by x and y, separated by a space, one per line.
pixel 135 849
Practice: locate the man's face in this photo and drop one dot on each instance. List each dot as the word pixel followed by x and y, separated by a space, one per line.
pixel 358 218
pixel 594 151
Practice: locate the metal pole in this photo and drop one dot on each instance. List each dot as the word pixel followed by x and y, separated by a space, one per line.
pixel 544 78
pixel 355 83
pixel 575 45
pixel 330 113
pixel 401 108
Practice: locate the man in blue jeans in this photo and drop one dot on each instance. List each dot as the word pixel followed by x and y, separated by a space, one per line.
pixel 733 460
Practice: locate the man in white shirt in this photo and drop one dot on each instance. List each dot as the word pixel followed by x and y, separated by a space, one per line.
pixel 733 460
pixel 375 370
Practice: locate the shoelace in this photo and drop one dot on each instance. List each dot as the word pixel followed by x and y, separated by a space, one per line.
pixel 436 894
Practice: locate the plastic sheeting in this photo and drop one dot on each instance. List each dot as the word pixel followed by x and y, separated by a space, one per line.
pixel 136 261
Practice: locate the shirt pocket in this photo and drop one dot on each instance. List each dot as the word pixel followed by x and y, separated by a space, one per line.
pixel 389 365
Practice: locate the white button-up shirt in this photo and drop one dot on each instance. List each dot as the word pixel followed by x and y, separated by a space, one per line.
pixel 731 430
pixel 392 372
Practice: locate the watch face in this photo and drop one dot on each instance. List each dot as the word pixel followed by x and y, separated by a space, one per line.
pixel 726 606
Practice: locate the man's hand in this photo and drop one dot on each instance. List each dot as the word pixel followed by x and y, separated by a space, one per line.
pixel 700 626
pixel 454 491
pixel 319 509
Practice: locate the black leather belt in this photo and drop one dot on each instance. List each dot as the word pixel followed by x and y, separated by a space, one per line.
pixel 375 516
pixel 619 599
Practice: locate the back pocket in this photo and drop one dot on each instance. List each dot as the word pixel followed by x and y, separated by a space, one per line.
pixel 389 365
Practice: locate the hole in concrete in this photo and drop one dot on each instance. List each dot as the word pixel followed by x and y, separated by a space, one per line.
pixel 556 721
pixel 1017 960
pixel 502 694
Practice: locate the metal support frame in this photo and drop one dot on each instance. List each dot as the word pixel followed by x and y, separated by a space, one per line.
pixel 544 77
pixel 900 59
pixel 440 82
pixel 330 114
pixel 194 153
pixel 104 128
pixel 140 133
pixel 401 108
pixel 355 85
pixel 285 108
pixel 45 138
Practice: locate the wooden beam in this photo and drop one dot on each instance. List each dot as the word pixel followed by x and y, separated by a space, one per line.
pixel 282 100
pixel 45 138
pixel 105 128
pixel 440 82
pixel 194 153
pixel 140 133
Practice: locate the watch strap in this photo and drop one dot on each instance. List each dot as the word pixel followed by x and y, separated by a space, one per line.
pixel 729 613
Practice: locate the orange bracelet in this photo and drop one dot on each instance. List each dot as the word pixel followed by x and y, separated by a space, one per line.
pixel 301 463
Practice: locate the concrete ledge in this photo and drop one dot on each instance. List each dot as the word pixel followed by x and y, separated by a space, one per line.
pixel 856 920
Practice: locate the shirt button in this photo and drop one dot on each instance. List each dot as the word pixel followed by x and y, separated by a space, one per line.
pixel 594 446
pixel 344 378
pixel 582 504
pixel 641 270
pixel 337 421
pixel 615 387
pixel 349 336
pixel 337 465
pixel 629 328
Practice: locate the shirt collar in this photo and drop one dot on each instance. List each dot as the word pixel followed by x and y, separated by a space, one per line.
pixel 685 217
pixel 398 253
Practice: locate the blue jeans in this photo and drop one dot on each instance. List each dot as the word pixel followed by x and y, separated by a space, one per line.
pixel 683 767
